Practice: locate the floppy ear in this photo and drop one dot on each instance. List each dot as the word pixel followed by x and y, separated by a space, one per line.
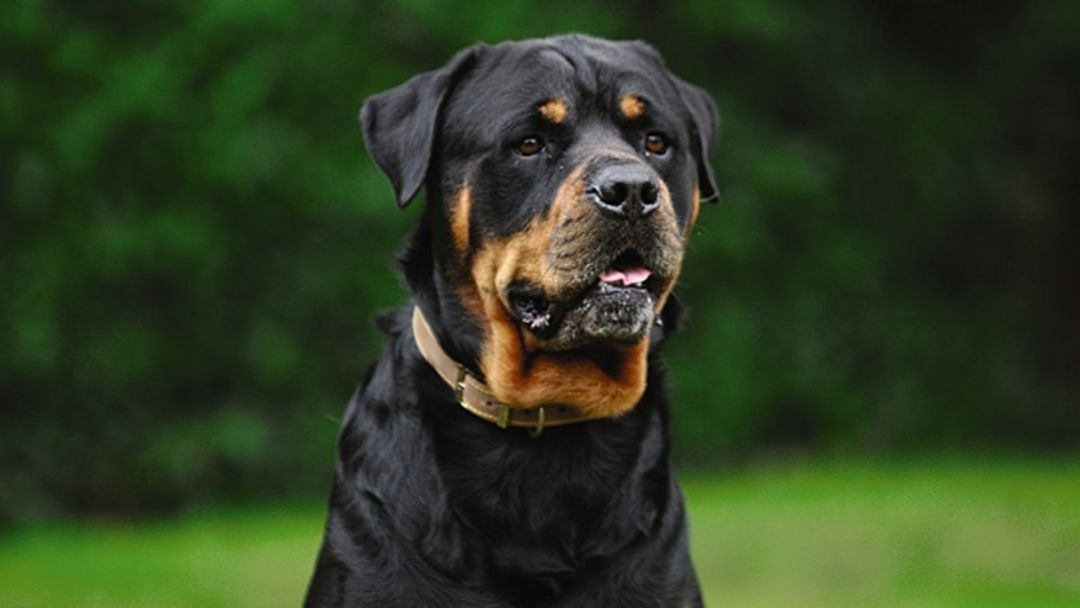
pixel 704 128
pixel 399 125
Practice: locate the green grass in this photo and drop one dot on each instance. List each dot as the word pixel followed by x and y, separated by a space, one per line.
pixel 919 534
pixel 927 534
pixel 228 558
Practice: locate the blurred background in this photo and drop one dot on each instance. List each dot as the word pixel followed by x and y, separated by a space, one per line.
pixel 875 392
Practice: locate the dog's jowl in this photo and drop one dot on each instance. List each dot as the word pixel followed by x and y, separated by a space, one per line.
pixel 510 447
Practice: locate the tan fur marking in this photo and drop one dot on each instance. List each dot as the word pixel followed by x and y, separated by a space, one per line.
pixel 695 207
pixel 460 219
pixel 459 209
pixel 632 106
pixel 522 375
pixel 554 111
pixel 669 211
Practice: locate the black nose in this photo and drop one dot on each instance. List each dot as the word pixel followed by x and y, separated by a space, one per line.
pixel 624 190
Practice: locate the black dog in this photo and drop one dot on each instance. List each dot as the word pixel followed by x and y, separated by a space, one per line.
pixel 510 448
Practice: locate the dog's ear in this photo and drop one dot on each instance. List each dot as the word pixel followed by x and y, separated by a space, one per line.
pixel 399 124
pixel 704 128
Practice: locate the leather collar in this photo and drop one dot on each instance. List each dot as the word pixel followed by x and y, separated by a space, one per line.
pixel 474 395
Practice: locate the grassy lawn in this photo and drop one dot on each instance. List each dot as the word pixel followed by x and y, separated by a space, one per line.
pixel 931 533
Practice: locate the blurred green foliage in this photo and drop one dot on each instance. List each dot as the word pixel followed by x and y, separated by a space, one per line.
pixel 193 240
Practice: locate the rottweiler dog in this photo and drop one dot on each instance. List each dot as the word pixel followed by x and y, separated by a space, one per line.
pixel 510 447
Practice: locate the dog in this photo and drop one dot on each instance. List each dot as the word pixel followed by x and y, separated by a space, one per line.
pixel 510 447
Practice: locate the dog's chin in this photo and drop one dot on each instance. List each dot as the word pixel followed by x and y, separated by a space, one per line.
pixel 604 314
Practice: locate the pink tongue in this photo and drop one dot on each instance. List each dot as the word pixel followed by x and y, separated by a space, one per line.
pixel 625 276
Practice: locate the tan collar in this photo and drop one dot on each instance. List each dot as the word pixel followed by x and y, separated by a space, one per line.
pixel 475 397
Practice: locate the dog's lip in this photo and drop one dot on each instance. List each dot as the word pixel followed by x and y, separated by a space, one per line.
pixel 542 314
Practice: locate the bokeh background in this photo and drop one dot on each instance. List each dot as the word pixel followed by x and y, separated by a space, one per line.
pixel 193 242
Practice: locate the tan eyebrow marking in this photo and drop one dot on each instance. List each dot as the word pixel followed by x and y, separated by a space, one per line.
pixel 554 110
pixel 632 106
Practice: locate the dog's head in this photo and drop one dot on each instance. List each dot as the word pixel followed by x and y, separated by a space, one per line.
pixel 563 177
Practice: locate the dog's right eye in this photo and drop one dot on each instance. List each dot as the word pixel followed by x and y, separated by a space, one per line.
pixel 656 144
pixel 530 146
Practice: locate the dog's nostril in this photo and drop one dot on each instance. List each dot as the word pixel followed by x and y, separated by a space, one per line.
pixel 613 193
pixel 649 194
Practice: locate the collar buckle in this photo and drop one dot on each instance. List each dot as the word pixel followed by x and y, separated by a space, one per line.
pixel 539 428
pixel 459 385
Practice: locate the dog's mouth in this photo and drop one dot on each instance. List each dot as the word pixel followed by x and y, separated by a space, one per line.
pixel 618 305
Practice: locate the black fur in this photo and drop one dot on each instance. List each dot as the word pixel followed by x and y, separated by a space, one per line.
pixel 432 506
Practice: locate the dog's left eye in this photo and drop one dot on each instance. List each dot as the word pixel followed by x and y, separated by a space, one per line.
pixel 656 144
pixel 530 146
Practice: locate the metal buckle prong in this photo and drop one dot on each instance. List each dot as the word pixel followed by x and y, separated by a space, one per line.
pixel 539 423
pixel 503 419
pixel 459 386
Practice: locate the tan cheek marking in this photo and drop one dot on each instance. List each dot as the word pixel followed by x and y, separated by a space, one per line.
pixel 568 199
pixel 554 111
pixel 459 209
pixel 632 106
pixel 460 219
pixel 524 255
pixel 695 207
pixel 671 235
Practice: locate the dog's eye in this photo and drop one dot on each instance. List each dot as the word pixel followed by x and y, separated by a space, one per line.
pixel 656 144
pixel 530 146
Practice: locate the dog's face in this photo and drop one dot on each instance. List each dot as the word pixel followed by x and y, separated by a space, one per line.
pixel 568 172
